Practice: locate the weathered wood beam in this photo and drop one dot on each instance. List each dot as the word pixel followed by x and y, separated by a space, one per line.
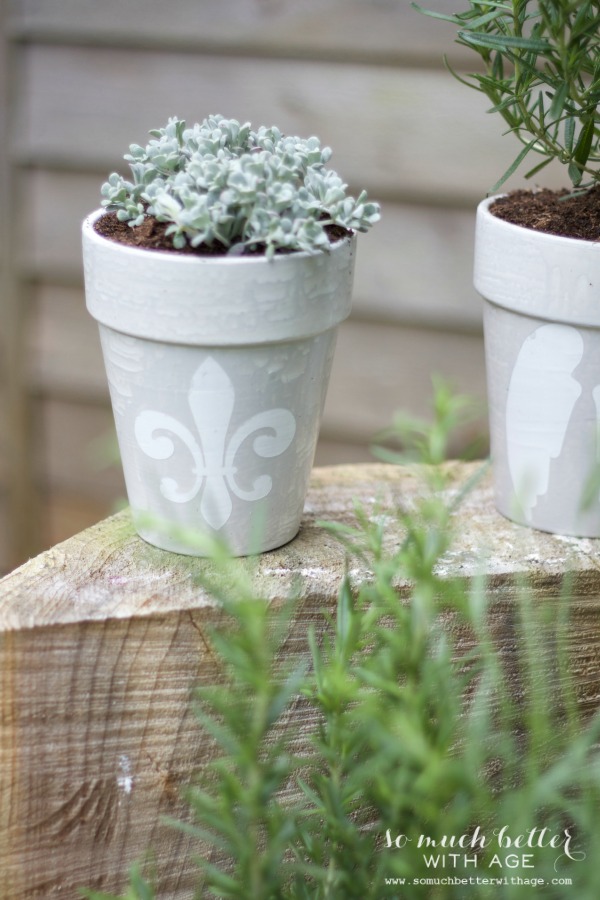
pixel 103 638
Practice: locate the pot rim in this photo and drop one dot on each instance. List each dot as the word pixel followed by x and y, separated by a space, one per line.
pixel 197 259
pixel 483 209
pixel 215 301
pixel 545 276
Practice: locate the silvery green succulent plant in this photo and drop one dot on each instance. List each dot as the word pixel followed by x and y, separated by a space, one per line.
pixel 221 183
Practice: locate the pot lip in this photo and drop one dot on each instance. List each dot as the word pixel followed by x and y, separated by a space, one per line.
pixel 542 276
pixel 91 235
pixel 484 214
pixel 216 301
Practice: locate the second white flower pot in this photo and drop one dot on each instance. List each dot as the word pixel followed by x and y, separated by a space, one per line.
pixel 218 369
pixel 542 345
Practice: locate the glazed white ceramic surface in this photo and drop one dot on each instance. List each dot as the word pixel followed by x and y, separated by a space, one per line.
pixel 542 345
pixel 212 301
pixel 218 370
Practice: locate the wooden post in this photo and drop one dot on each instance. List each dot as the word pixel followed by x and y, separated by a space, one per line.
pixel 20 505
pixel 103 638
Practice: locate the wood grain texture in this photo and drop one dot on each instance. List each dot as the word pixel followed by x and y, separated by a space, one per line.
pixel 69 511
pixel 72 109
pixel 107 572
pixel 98 739
pixel 6 561
pixel 78 450
pixel 380 29
pixel 5 441
pixel 64 346
pixel 103 638
pixel 15 423
pixel 379 370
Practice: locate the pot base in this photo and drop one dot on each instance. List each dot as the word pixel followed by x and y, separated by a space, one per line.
pixel 194 542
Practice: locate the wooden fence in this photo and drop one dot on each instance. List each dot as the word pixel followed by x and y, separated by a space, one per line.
pixel 81 80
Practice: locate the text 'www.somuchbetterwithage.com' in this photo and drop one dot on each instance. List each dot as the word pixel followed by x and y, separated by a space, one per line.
pixel 476 880
pixel 452 858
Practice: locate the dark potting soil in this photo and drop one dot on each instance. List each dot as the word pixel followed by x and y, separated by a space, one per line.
pixel 150 235
pixel 554 212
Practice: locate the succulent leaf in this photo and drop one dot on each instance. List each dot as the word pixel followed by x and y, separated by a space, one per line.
pixel 222 182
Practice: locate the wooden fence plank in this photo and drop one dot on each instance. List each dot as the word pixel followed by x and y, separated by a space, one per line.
pixel 79 450
pixel 379 370
pixel 67 512
pixel 6 562
pixel 416 268
pixel 347 29
pixel 5 435
pixel 64 349
pixel 49 236
pixel 15 421
pixel 411 133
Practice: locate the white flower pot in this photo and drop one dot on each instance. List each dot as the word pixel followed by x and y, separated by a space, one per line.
pixel 218 369
pixel 542 344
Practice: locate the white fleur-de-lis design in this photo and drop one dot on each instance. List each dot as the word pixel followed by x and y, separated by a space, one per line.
pixel 211 398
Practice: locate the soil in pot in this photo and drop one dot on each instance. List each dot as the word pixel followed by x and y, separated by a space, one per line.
pixel 553 212
pixel 150 235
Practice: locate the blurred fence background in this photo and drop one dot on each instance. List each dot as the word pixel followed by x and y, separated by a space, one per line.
pixel 82 79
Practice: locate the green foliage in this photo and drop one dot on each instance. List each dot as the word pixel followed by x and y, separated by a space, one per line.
pixel 221 183
pixel 243 813
pixel 421 728
pixel 542 75
pixel 428 441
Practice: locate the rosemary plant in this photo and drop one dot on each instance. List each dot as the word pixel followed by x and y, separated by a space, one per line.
pixel 541 72
pixel 418 734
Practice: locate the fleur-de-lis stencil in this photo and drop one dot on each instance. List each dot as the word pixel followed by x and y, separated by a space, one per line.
pixel 211 398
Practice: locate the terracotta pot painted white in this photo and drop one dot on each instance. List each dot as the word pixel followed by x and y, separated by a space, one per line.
pixel 218 369
pixel 542 344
